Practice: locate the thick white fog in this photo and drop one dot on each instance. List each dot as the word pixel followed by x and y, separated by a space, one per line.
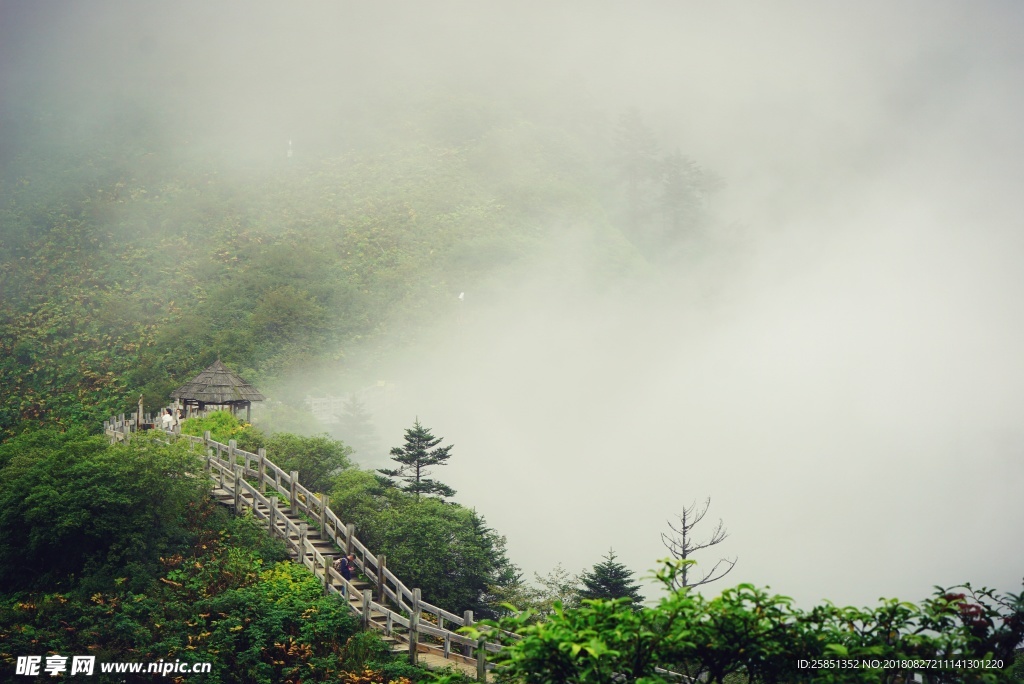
pixel 842 374
pixel 839 367
pixel 851 407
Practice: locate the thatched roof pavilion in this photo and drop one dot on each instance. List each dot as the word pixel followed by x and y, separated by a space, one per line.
pixel 218 385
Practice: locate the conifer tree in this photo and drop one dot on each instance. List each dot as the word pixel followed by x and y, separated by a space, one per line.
pixel 611 580
pixel 415 457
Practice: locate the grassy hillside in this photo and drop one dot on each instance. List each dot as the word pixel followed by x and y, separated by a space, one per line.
pixel 128 262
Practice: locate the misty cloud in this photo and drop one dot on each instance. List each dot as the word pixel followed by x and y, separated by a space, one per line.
pixel 837 364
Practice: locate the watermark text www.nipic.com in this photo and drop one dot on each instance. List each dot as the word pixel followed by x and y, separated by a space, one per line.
pixel 53 665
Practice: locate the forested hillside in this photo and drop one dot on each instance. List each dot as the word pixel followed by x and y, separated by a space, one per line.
pixel 115 552
pixel 621 257
pixel 126 266
pixel 128 263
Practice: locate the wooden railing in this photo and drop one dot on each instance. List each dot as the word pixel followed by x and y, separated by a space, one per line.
pixel 231 469
pixel 260 486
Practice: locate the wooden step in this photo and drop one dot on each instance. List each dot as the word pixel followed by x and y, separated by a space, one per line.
pixel 397 639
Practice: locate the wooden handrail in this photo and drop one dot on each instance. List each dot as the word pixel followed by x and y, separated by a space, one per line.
pixel 223 461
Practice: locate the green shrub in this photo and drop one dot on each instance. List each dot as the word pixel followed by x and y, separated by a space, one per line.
pixel 71 505
pixel 222 425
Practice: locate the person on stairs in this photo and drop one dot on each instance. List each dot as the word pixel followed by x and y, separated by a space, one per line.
pixel 345 565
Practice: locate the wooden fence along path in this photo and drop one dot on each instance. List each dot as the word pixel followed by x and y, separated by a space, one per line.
pixel 315 536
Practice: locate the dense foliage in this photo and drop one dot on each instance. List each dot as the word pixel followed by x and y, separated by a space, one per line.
pixel 70 505
pixel 316 458
pixel 442 548
pixel 610 579
pixel 747 634
pixel 133 562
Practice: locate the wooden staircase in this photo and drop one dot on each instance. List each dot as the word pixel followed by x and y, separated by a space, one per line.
pixel 315 537
pixel 286 513
pixel 320 550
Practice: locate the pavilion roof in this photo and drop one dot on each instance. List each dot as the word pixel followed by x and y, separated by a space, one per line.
pixel 218 384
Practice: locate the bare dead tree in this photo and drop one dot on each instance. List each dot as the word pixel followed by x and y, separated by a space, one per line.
pixel 682 545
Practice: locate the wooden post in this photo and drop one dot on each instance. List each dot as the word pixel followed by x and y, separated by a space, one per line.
pixel 232 457
pixel 367 600
pixel 327 575
pixel 138 420
pixel 350 538
pixel 414 628
pixel 467 620
pixel 238 489
pixel 481 661
pixel 262 453
pixel 381 579
pixel 294 497
pixel 323 516
pixel 206 438
pixel 302 543
pixel 273 517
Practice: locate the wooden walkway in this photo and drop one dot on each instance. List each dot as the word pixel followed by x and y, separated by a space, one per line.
pixel 315 537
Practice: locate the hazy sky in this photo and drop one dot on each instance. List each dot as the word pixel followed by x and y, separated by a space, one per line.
pixel 842 373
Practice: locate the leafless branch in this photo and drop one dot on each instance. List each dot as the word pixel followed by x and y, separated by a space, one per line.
pixel 681 544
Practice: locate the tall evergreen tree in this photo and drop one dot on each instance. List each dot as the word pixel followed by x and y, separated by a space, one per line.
pixel 418 454
pixel 611 580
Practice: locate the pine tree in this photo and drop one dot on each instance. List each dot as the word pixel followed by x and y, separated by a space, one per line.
pixel 415 457
pixel 611 580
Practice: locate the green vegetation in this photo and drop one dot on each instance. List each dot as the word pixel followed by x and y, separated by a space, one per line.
pixel 73 507
pixel 222 426
pixel 128 559
pixel 421 451
pixel 444 549
pixel 133 562
pixel 316 458
pixel 126 268
pixel 610 580
pixel 747 634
